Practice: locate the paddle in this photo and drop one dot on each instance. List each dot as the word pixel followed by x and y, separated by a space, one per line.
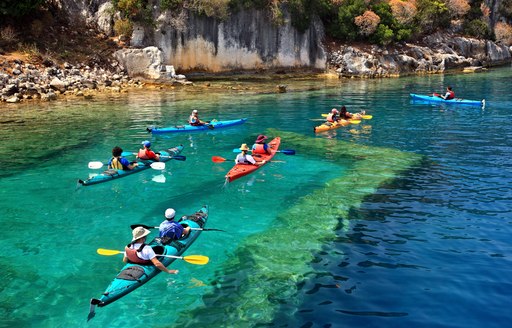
pixel 176 157
pixel 364 117
pixel 154 165
pixel 194 259
pixel 218 159
pixel 133 226
pixel 284 151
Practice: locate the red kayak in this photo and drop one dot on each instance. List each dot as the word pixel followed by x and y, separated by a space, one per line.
pixel 240 170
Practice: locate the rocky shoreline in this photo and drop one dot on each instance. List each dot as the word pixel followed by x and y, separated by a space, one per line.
pixel 137 68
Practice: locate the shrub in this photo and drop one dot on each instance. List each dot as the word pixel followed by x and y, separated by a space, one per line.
pixel 477 28
pixel 503 32
pixel 383 35
pixel 343 26
pixel 403 11
pixel 36 28
pixel 18 8
pixel 123 27
pixel 8 35
pixel 432 14
pixel 367 22
pixel 458 8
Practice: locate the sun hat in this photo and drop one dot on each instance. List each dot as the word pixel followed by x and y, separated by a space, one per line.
pixel 146 143
pixel 140 232
pixel 194 111
pixel 244 147
pixel 261 138
pixel 334 110
pixel 170 213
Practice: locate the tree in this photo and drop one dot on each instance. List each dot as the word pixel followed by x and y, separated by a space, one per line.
pixel 19 8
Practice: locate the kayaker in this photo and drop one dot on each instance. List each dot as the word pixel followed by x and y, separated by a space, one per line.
pixel 244 158
pixel 138 252
pixel 448 95
pixel 194 119
pixel 333 116
pixel 146 153
pixel 260 146
pixel 170 229
pixel 344 115
pixel 118 162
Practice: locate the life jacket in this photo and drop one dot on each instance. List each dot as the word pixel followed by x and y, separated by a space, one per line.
pixel 193 120
pixel 451 95
pixel 146 154
pixel 115 163
pixel 132 256
pixel 331 117
pixel 258 149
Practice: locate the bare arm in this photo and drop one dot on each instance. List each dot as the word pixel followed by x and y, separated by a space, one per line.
pixel 162 267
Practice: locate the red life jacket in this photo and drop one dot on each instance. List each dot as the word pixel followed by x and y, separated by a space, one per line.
pixel 451 96
pixel 330 117
pixel 258 149
pixel 132 256
pixel 146 154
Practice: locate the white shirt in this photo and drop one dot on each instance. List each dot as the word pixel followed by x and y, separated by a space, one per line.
pixel 244 159
pixel 147 252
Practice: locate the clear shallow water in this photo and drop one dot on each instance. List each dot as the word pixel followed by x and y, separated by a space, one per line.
pixel 429 248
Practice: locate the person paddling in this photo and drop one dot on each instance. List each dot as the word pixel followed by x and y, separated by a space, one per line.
pixel 448 95
pixel 171 230
pixel 194 119
pixel 118 162
pixel 344 115
pixel 146 153
pixel 245 158
pixel 333 116
pixel 260 146
pixel 138 252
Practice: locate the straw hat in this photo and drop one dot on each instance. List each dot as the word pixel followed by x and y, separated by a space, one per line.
pixel 140 232
pixel 244 147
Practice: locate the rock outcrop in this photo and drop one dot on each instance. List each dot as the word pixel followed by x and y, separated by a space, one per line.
pixel 434 54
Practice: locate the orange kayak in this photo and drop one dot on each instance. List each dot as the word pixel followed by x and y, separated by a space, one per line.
pixel 331 126
pixel 240 170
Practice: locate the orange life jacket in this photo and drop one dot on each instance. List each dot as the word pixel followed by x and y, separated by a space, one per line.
pixel 258 149
pixel 132 256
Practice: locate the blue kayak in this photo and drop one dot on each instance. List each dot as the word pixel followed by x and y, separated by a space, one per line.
pixel 111 174
pixel 213 125
pixel 455 101
pixel 133 275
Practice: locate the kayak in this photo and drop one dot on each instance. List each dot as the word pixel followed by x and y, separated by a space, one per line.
pixel 455 101
pixel 331 126
pixel 240 170
pixel 214 125
pixel 111 174
pixel 132 275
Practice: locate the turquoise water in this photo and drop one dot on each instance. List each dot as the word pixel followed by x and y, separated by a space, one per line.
pixel 428 246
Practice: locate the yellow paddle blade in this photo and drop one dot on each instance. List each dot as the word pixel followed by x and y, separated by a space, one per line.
pixel 108 252
pixel 196 259
pixel 355 121
pixel 367 117
pixel 324 115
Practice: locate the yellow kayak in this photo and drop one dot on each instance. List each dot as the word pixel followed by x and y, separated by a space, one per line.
pixel 331 126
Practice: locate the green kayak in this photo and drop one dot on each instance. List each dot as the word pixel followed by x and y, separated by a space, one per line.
pixel 111 174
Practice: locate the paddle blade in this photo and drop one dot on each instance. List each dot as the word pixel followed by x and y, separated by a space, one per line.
pixel 179 157
pixel 127 153
pixel 158 165
pixel 237 150
pixel 287 151
pixel 108 252
pixel 367 117
pixel 354 121
pixel 218 159
pixel 196 259
pixel 95 165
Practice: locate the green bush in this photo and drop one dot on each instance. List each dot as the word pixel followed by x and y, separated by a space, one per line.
pixel 432 15
pixel 477 28
pixel 123 27
pixel 18 8
pixel 344 27
pixel 383 35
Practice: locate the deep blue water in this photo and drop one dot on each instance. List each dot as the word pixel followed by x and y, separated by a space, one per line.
pixel 430 248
